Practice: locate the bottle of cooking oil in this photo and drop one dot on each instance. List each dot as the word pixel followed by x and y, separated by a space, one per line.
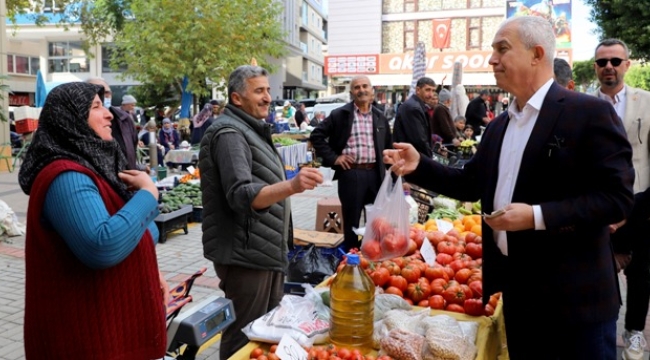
pixel 352 305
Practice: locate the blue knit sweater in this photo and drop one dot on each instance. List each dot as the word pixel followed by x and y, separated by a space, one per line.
pixel 74 208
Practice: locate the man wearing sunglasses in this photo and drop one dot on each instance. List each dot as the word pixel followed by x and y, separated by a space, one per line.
pixel 632 106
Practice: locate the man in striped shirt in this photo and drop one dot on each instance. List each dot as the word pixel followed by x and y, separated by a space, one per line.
pixel 351 140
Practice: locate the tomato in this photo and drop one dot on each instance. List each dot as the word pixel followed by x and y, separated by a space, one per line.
pixel 400 261
pixel 311 354
pixel 454 295
pixel 411 273
pixel 322 354
pixel 370 248
pixel 395 244
pixel 444 259
pixel 437 302
pixel 418 292
pixel 494 300
pixel 460 255
pixel 344 353
pixel 489 310
pixel 257 352
pixel 477 288
pixel 413 246
pixel 262 357
pixel 394 290
pixel 455 308
pixel 457 265
pixel 474 307
pixel 356 354
pixel 420 265
pixel 398 282
pixel 468 292
pixel 470 237
pixel 438 286
pixel 392 267
pixel 273 348
pixel 380 227
pixel 447 247
pixel 424 303
pixel 450 272
pixel 454 233
pixel 477 275
pixel 435 237
pixel 380 276
pixel 474 250
pixel 417 235
pixel 273 356
pixel 435 272
pixel 462 275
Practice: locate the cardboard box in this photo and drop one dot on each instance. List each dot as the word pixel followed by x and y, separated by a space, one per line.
pixel 318 238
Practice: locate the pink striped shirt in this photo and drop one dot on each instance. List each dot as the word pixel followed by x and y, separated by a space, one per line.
pixel 361 144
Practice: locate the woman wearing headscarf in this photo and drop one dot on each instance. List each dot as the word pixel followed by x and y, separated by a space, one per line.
pixel 168 136
pixel 93 289
pixel 201 122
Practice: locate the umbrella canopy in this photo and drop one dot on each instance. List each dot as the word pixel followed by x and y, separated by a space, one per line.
pixel 41 90
pixel 419 65
pixel 186 100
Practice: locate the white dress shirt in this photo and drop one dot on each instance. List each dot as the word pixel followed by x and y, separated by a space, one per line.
pixel 516 137
pixel 618 101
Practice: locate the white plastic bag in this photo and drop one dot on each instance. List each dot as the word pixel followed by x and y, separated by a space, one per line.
pixel 9 221
pixel 387 229
pixel 305 319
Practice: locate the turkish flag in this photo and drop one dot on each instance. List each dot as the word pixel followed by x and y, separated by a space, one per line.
pixel 441 33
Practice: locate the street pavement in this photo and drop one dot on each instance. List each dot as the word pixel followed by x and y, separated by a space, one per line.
pixel 180 256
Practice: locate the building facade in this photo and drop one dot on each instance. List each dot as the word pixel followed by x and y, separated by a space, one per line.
pixel 378 39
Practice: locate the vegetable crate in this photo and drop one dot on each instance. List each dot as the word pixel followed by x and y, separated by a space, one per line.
pixel 197 214
pixel 424 198
pixel 26 125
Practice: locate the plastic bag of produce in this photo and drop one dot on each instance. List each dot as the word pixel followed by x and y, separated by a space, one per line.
pixel 402 345
pixel 387 228
pixel 305 319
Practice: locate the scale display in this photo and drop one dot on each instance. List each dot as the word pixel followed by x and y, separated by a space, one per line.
pixel 201 323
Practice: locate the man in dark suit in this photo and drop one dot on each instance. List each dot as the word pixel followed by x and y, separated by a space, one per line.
pixel 476 113
pixel 351 141
pixel 559 165
pixel 412 121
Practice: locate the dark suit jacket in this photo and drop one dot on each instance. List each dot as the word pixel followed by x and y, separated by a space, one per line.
pixel 412 126
pixel 476 111
pixel 123 129
pixel 577 166
pixel 331 136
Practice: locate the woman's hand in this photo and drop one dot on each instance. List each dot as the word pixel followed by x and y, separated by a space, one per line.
pixel 139 180
pixel 404 158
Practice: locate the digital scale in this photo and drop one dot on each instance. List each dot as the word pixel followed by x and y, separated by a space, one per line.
pixel 196 326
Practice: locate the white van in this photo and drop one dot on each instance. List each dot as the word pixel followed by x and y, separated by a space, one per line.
pixel 327 107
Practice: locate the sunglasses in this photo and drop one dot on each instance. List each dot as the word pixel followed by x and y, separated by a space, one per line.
pixel 615 62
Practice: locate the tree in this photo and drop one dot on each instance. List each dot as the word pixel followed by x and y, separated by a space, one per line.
pixel 584 74
pixel 170 39
pixel 638 76
pixel 625 20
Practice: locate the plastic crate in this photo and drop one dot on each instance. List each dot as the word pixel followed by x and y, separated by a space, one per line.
pixel 26 125
pixel 424 198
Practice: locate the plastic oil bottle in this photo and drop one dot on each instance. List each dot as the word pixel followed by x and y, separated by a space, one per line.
pixel 352 305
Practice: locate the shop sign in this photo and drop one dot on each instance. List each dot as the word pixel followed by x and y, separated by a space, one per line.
pixel 436 62
pixel 19 100
pixel 352 64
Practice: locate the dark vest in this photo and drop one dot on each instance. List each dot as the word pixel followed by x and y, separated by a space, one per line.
pixel 232 238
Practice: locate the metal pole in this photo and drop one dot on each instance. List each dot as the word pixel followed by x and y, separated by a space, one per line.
pixel 4 104
pixel 153 150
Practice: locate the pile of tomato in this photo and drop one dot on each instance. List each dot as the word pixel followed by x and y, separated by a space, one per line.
pixel 329 352
pixel 453 283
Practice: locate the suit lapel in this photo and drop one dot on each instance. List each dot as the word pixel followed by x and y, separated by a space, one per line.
pixel 549 114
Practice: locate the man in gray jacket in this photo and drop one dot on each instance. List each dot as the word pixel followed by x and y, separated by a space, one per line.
pixel 246 208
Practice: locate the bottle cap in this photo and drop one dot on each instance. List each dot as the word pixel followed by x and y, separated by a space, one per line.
pixel 353 259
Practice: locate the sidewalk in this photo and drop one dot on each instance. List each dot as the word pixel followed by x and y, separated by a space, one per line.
pixel 178 258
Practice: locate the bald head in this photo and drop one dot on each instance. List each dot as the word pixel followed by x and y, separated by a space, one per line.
pixel 101 82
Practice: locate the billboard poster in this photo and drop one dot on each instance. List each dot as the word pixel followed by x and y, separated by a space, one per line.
pixel 557 12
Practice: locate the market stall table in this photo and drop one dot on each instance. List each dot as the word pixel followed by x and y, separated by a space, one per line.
pixel 293 155
pixel 182 157
pixel 172 221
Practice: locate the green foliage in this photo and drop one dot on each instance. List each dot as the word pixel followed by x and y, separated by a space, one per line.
pixel 584 74
pixel 173 38
pixel 626 20
pixel 156 96
pixel 638 76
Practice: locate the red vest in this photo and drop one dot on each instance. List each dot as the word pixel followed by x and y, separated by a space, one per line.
pixel 75 312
